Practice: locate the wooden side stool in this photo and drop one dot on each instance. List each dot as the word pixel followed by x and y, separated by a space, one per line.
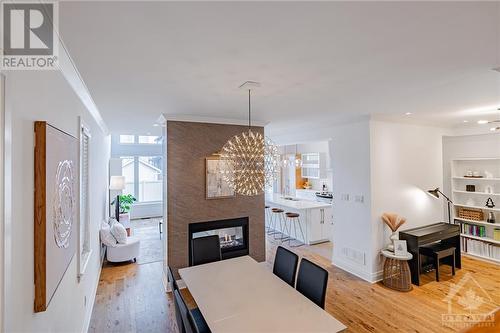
pixel 439 251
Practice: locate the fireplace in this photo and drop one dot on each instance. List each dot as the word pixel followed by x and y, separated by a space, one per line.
pixel 233 236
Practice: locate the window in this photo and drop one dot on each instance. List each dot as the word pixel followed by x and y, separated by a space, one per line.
pixel 141 162
pixel 127 139
pixel 149 139
pixel 128 171
pixel 150 178
pixel 143 177
pixel 84 221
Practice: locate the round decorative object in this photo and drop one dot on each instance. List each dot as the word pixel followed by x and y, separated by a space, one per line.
pixel 250 163
pixel 64 203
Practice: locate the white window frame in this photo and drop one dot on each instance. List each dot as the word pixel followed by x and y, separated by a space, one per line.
pixel 84 247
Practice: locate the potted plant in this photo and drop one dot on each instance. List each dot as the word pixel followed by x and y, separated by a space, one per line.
pixel 126 201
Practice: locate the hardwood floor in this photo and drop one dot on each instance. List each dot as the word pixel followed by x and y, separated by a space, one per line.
pixel 130 298
pixel 365 307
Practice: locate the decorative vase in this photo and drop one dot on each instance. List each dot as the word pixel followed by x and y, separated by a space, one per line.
pixel 491 217
pixel 394 236
pixel 393 221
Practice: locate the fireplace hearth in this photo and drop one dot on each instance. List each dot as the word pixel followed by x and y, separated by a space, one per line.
pixel 233 236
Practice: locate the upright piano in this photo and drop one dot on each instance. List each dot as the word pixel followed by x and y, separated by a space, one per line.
pixel 416 237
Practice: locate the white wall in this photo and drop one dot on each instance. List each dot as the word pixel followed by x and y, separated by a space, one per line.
pixel 390 165
pixel 45 95
pixel 2 196
pixel 352 236
pixel 406 161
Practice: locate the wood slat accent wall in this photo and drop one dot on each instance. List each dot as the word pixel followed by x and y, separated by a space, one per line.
pixel 188 144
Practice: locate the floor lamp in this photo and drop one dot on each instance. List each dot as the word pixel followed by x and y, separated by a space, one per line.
pixel 117 183
pixel 435 193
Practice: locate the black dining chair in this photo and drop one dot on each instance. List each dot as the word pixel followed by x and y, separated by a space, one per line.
pixel 285 265
pixel 312 281
pixel 192 320
pixel 181 313
pixel 171 281
pixel 198 323
pixel 205 250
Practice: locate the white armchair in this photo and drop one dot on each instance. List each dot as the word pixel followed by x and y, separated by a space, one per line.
pixel 124 252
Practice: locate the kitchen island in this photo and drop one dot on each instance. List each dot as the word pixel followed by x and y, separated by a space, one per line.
pixel 315 218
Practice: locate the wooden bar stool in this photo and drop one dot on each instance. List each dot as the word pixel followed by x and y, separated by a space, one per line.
pixel 294 219
pixel 439 251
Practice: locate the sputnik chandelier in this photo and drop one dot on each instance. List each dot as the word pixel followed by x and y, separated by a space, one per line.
pixel 250 161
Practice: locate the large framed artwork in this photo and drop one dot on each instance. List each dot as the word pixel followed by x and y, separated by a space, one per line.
pixel 216 186
pixel 56 203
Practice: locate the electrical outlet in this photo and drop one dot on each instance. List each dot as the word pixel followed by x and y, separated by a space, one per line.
pixel 85 301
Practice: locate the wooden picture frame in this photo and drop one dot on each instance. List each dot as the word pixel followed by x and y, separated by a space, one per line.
pixel 55 209
pixel 215 186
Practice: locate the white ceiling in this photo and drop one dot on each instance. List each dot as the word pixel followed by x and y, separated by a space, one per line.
pixel 318 63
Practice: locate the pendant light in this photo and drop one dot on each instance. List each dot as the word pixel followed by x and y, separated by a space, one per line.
pixel 297 160
pixel 251 161
pixel 286 162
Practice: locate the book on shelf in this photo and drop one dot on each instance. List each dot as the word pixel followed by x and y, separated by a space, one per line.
pixel 480 248
pixel 496 234
pixel 473 230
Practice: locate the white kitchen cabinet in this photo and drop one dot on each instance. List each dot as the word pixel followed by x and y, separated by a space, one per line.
pixel 313 165
pixel 315 218
pixel 320 226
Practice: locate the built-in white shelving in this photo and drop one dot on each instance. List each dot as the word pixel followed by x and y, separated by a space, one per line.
pixel 497 225
pixel 479 207
pixel 476 193
pixel 485 258
pixel 486 239
pixel 494 179
pixel 483 247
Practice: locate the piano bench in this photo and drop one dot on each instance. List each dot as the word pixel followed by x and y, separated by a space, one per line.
pixel 439 251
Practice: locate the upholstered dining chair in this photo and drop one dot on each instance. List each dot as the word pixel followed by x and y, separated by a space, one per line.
pixel 312 281
pixel 285 265
pixel 205 250
pixel 192 320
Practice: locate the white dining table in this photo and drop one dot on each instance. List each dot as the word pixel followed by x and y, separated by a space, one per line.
pixel 239 295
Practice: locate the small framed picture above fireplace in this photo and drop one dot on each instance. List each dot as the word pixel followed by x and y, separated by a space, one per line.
pixel 216 186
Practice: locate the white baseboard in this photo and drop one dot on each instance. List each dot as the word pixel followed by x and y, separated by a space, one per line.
pixel 86 324
pixel 357 270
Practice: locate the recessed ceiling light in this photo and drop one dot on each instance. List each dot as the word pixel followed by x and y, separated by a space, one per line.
pixel 466 121
pixel 481 122
pixel 408 114
pixel 156 125
pixel 493 129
